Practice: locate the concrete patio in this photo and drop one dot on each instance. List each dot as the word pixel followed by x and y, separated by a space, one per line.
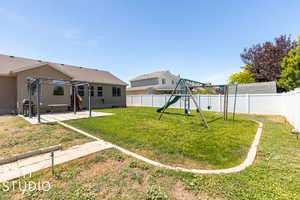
pixel 55 117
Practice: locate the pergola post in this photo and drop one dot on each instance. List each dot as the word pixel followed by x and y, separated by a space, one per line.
pixel 38 100
pixel 74 99
pixel 90 108
pixel 30 89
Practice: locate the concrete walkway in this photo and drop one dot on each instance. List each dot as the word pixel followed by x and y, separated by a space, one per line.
pixel 247 162
pixel 29 165
pixel 55 117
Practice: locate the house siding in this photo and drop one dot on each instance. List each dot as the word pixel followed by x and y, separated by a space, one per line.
pixel 156 85
pixel 107 100
pixel 8 95
pixel 146 82
pixel 47 96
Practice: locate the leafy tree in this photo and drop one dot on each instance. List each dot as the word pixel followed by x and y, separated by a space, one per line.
pixel 265 58
pixel 242 77
pixel 290 75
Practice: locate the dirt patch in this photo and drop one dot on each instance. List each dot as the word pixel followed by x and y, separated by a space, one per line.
pixel 99 168
pixel 18 136
pixel 275 118
pixel 180 193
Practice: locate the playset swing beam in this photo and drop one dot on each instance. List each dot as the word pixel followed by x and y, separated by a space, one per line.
pixel 186 93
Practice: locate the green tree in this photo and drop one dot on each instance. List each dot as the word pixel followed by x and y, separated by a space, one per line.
pixel 290 74
pixel 242 77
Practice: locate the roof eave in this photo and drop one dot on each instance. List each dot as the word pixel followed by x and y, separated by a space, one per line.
pixel 39 65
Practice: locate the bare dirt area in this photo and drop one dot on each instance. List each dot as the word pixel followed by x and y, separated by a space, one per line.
pixel 18 136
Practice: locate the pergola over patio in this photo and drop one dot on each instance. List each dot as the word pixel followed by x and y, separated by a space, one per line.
pixel 35 83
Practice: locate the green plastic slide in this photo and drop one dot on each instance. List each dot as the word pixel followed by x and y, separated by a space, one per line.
pixel 173 100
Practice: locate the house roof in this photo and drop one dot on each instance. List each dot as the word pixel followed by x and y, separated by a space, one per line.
pixel 255 88
pixel 151 75
pixel 10 65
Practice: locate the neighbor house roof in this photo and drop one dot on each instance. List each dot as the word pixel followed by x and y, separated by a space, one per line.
pixel 255 88
pixel 155 87
pixel 151 75
pixel 10 65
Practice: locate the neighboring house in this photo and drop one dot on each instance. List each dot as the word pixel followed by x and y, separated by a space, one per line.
pixel 107 89
pixel 162 82
pixel 255 88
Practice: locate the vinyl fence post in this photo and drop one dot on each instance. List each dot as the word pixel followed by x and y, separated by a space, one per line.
pixel 248 103
pixel 220 102
pixel 199 100
pixel 141 100
pixel 152 100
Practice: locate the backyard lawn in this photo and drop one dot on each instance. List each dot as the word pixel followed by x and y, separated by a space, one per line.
pixel 112 175
pixel 175 139
pixel 18 136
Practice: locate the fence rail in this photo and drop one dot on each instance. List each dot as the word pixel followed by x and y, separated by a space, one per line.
pixel 285 104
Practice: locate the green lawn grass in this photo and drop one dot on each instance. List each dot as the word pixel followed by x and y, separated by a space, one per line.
pixel 175 139
pixel 111 175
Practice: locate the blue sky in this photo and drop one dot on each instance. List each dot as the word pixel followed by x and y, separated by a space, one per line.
pixel 200 40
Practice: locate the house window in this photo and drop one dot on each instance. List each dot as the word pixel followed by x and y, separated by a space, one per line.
pixel 163 81
pixel 58 88
pixel 100 91
pixel 32 90
pixel 81 90
pixel 92 91
pixel 116 92
pixel 173 82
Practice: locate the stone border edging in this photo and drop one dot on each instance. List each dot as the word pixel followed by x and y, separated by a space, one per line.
pixel 28 154
pixel 247 162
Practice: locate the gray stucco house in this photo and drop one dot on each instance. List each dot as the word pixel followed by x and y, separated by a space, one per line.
pixel 107 90
pixel 255 88
pixel 162 82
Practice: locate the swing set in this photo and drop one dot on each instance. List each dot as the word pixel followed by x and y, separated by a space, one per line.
pixel 183 91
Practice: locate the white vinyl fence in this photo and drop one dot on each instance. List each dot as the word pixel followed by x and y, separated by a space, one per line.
pixel 285 104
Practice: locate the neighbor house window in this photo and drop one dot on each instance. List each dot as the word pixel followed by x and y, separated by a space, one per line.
pixel 173 82
pixel 58 88
pixel 81 90
pixel 92 91
pixel 116 92
pixel 100 91
pixel 163 81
